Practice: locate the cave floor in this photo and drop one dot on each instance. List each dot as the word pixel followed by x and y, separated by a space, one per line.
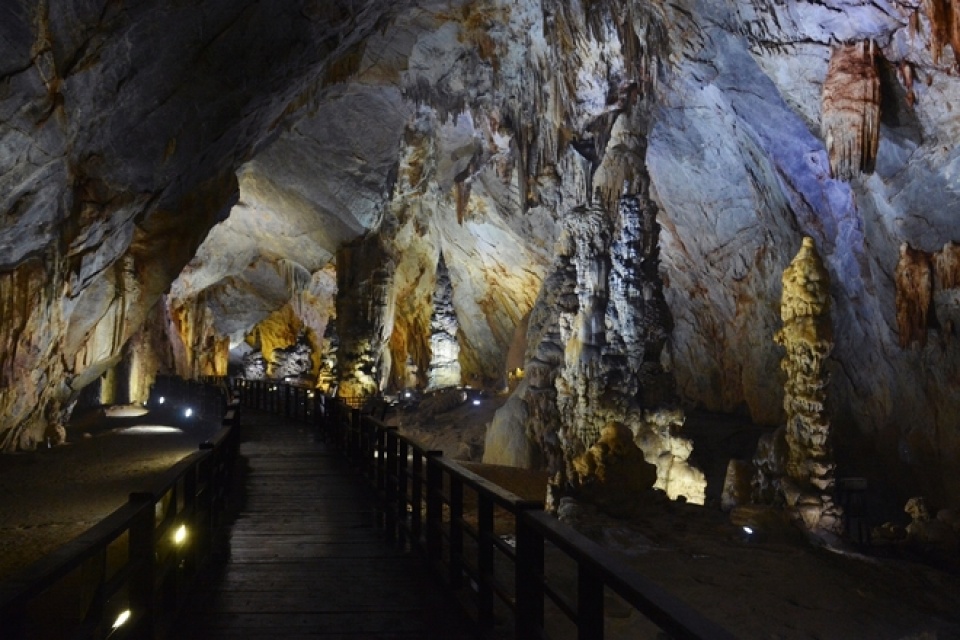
pixel 49 496
pixel 773 585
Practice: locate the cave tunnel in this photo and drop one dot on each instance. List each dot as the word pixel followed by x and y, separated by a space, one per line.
pixel 714 239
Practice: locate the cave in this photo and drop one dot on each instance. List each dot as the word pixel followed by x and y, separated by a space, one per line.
pixel 709 239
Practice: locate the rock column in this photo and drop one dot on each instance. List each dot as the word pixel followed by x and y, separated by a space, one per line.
pixel 364 315
pixel 807 337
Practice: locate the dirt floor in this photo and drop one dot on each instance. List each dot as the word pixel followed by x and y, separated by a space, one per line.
pixel 50 496
pixel 774 584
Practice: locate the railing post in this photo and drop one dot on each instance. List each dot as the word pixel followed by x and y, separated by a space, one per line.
pixel 485 568
pixel 529 580
pixel 416 502
pixel 456 532
pixel 142 551
pixel 589 604
pixel 403 456
pixel 379 475
pixel 389 479
pixel 434 532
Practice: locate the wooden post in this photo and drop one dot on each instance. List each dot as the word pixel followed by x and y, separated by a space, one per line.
pixel 403 521
pixel 589 604
pixel 416 501
pixel 456 532
pixel 142 551
pixel 528 613
pixel 485 579
pixel 434 508
pixel 390 480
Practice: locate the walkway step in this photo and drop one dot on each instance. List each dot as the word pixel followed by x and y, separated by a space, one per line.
pixel 305 560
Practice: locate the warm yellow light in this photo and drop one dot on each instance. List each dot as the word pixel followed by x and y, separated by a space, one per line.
pixel 180 535
pixel 121 619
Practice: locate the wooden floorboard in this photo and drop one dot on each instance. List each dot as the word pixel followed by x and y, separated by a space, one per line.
pixel 304 558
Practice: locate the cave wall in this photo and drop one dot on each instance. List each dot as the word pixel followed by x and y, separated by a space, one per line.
pixel 252 141
pixel 123 126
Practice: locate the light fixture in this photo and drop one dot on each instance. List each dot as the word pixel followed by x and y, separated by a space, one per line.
pixel 180 535
pixel 748 531
pixel 476 402
pixel 187 412
pixel 121 619
pixel 161 400
pixel 406 394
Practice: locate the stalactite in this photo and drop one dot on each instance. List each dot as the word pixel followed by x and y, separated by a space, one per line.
pixel 947 267
pixel 946 289
pixel 850 120
pixel 297 279
pixel 944 16
pixel 914 281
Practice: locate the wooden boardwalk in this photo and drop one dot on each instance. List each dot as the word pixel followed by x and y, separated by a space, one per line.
pixel 304 558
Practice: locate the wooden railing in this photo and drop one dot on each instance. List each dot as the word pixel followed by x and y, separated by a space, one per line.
pixel 489 546
pixel 129 575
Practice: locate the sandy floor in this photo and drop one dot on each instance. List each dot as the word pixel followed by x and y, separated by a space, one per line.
pixel 775 585
pixel 49 496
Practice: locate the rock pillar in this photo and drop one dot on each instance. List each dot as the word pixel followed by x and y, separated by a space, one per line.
pixel 807 336
pixel 444 368
pixel 364 315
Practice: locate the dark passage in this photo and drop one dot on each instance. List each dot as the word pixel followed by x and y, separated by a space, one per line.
pixel 305 560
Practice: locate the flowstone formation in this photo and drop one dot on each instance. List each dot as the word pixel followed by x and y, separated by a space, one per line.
pixel 794 466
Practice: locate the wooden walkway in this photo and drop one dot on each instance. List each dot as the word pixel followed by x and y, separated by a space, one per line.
pixel 305 560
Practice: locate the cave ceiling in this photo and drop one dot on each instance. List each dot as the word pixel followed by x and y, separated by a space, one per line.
pixel 208 150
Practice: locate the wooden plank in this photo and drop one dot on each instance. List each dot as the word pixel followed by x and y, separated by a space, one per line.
pixel 305 560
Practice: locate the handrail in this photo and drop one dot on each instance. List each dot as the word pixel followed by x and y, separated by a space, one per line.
pixel 423 505
pixel 127 576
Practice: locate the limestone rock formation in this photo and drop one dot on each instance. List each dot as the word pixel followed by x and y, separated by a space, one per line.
pixel 254 365
pixel 914 280
pixel 294 363
pixel 251 141
pixel 795 465
pixel 612 473
pixel 850 124
pixel 444 368
pixel 364 305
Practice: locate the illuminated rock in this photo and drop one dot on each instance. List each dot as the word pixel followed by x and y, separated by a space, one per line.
pixel 807 480
pixel 612 473
pixel 444 368
pixel 294 363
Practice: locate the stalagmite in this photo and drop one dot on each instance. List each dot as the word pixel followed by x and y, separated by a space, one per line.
pixel 850 120
pixel 444 370
pixel 808 475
